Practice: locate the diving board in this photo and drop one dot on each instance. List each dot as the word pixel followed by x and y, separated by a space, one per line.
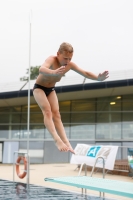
pixel 120 188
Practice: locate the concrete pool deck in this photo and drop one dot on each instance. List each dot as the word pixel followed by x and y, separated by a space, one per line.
pixel 40 171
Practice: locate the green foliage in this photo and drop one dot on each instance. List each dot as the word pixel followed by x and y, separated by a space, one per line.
pixel 34 71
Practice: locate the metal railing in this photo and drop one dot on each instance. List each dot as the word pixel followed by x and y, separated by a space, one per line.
pixel 99 157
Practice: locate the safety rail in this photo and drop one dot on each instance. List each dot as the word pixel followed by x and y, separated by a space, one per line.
pixel 99 157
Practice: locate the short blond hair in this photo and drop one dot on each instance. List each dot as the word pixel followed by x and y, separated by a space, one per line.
pixel 65 47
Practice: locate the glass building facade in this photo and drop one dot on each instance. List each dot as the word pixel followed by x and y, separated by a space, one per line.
pixel 99 119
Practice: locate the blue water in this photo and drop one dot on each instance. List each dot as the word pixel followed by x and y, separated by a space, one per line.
pixel 16 191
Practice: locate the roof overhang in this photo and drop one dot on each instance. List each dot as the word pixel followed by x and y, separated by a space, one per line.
pixel 72 92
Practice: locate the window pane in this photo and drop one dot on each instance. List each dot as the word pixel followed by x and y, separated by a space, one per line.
pixel 4 132
pixel 115 117
pixel 108 117
pixel 36 117
pixel 78 117
pixel 65 117
pixel 83 131
pixel 33 108
pixel 5 109
pixel 83 105
pixel 64 106
pixel 116 106
pixel 104 104
pixel 115 129
pixel 127 125
pixel 24 118
pixel 4 118
pixel 67 131
pixel 127 116
pixel 102 117
pixel 15 118
pixel 108 131
pixel 47 135
pixel 17 109
pixel 127 130
pixel 127 103
pixel 14 132
pixel 37 131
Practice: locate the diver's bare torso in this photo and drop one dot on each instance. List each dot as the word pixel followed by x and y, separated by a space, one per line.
pixel 49 80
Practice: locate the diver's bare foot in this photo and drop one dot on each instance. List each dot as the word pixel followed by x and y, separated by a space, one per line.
pixel 69 146
pixel 61 146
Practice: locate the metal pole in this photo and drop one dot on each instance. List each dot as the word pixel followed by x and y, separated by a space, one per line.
pixel 28 115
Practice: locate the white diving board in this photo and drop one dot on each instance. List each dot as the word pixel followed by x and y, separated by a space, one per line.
pixel 110 186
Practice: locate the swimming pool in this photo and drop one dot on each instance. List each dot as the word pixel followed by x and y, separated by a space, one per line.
pixel 15 191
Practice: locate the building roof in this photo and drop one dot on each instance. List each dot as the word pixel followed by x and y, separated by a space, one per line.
pixel 66 81
pixel 70 87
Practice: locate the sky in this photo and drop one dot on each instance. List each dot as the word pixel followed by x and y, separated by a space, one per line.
pixel 100 31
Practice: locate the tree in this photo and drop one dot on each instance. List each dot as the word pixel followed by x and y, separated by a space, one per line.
pixel 34 71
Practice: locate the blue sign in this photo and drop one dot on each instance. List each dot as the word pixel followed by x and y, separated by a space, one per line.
pixel 93 151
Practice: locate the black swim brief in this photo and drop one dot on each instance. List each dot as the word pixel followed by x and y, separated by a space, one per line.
pixel 46 90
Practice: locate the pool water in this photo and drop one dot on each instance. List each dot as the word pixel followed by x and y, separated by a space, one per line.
pixel 14 191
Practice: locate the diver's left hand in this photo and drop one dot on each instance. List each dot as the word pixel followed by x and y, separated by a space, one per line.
pixel 103 76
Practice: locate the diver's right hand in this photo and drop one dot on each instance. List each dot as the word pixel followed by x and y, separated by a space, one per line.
pixel 59 71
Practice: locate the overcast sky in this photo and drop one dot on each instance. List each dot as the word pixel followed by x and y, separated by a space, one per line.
pixel 101 32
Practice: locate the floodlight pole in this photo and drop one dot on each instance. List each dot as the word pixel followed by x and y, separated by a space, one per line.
pixel 28 113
